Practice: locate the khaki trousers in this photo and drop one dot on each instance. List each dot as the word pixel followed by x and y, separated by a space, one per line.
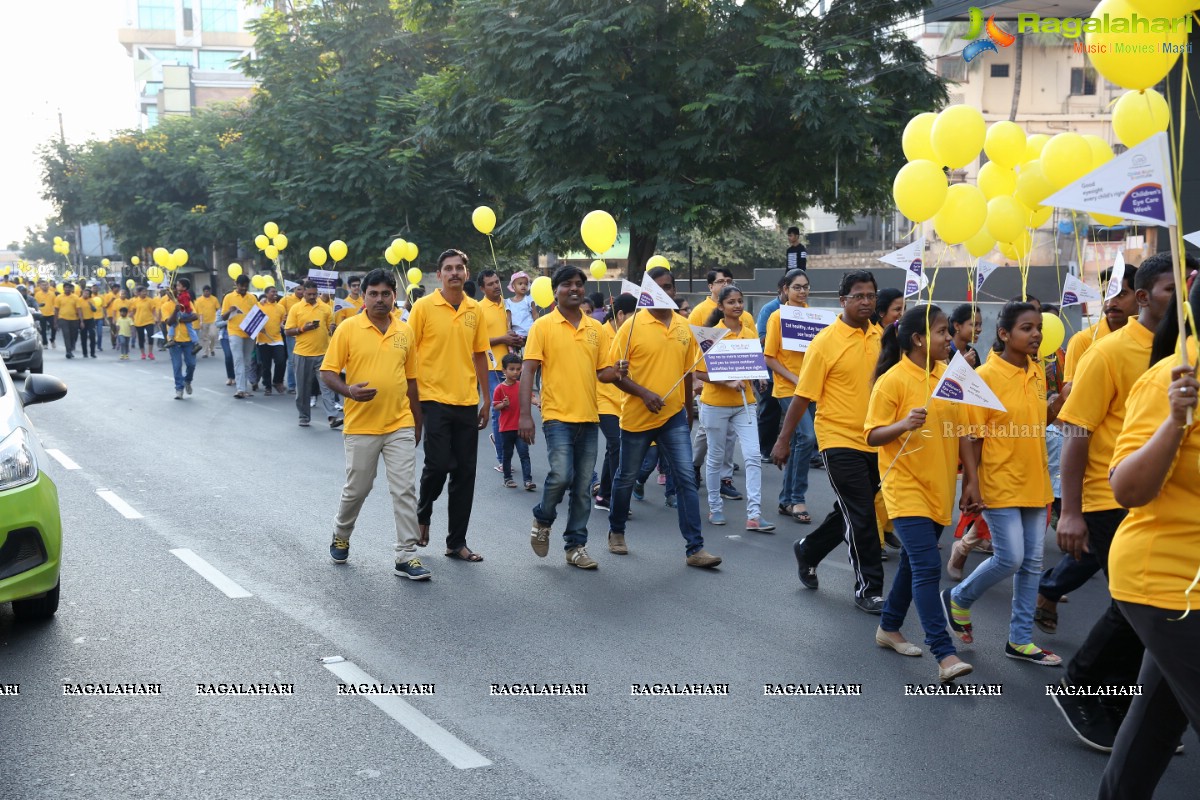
pixel 399 452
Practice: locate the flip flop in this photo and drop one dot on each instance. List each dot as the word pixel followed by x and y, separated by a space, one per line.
pixel 422 535
pixel 1046 620
pixel 458 556
pixel 803 517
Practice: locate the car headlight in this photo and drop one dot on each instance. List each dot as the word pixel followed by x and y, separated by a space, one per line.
pixel 25 334
pixel 18 465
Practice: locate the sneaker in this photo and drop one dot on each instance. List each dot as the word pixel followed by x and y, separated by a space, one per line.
pixel 672 501
pixel 187 387
pixel 961 627
pixel 616 544
pixel 143 356
pixel 1087 719
pixel 413 569
pixel 639 491
pixel 151 356
pixel 869 605
pixel 578 557
pixel 703 559
pixel 303 423
pixel 662 479
pixel 600 503
pixel 808 572
pixel 179 394
pixel 539 539
pixel 891 540
pixel 335 423
pixel 728 491
pixel 716 518
pixel 339 551
pixel 1033 654
pixel 760 525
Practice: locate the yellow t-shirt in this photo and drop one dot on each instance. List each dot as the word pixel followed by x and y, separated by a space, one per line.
pixel 272 331
pixel 180 331
pixel 287 301
pixel 142 309
pixel 608 397
pixel 920 483
pixel 207 308
pixel 385 362
pixel 45 299
pixel 69 306
pixel 659 355
pixel 447 340
pixel 243 304
pixel 117 304
pixel 1015 470
pixel 346 313
pixel 1078 344
pixel 87 309
pixel 713 394
pixel 316 341
pixel 837 373
pixel 704 309
pixel 570 358
pixel 1156 550
pixel 792 359
pixel 1102 382
pixel 124 325
pixel 110 298
pixel 495 319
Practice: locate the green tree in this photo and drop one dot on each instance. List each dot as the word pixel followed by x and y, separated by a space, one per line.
pixel 676 116
pixel 741 250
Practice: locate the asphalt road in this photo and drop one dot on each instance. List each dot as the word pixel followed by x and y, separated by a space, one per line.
pixel 239 485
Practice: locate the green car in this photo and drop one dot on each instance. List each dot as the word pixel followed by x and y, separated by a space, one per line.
pixel 30 528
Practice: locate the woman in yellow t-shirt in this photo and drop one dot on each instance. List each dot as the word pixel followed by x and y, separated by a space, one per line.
pixel 919 477
pixel 727 406
pixel 1014 481
pixel 1154 559
pixel 786 366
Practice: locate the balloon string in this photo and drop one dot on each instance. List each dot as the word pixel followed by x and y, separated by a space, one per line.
pixel 495 263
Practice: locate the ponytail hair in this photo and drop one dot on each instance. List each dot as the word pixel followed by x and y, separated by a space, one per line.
pixel 898 337
pixel 1166 337
pixel 1009 315
pixel 717 314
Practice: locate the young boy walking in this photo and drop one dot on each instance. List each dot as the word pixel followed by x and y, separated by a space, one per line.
pixel 506 400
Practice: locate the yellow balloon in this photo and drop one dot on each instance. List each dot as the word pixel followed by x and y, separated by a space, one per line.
pixel 598 269
pixel 234 270
pixel 104 262
pixel 599 231
pixel 1101 152
pixel 414 275
pixel 155 274
pixel 1053 334
pixel 981 243
pixel 269 280
pixel 261 241
pixel 179 258
pixel 129 284
pixel 962 215
pixel 657 261
pixel 399 245
pixel 271 229
pixel 1128 66
pixel 318 256
pixel 1005 219
pixel 161 256
pixel 915 142
pixel 995 180
pixel 1107 220
pixel 1065 159
pixel 135 261
pixel 484 220
pixel 391 256
pixel 411 251
pixel 271 252
pixel 101 272
pixel 337 250
pixel 957 136
pixel 1034 145
pixel 919 189
pixel 1032 186
pixel 58 240
pixel 1023 246
pixel 1139 115
pixel 258 283
pixel 1005 144
pixel 280 241
pixel 1036 217
pixel 541 291
pixel 1163 8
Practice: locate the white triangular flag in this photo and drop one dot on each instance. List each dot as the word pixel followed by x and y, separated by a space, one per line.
pixel 254 321
pixel 910 257
pixel 289 285
pixel 1135 185
pixel 1117 281
pixel 1076 292
pixel 982 272
pixel 914 284
pixel 1193 238
pixel 961 384
pixel 340 303
pixel 707 337
pixel 653 296
pixel 629 287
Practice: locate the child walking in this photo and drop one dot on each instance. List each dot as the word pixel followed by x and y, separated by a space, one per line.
pixel 507 400
pixel 124 331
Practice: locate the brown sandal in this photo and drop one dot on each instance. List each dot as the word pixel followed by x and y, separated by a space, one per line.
pixel 1046 620
pixel 463 555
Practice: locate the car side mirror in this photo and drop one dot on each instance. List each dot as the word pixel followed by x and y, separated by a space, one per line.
pixel 5 310
pixel 43 389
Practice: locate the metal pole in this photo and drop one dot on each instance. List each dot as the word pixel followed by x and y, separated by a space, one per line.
pixel 690 289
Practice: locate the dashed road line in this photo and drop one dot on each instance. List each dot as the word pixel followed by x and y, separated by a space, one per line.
pixel 124 509
pixel 62 458
pixel 210 573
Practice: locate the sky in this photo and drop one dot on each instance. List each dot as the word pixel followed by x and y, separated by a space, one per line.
pixel 58 55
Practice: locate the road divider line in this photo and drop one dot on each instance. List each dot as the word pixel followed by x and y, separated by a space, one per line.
pixel 62 458
pixel 124 509
pixel 444 743
pixel 210 573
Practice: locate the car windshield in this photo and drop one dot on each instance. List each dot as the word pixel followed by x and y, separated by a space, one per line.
pixel 13 299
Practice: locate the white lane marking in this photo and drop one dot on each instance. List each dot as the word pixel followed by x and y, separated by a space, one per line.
pixel 124 509
pixel 210 573
pixel 212 391
pixel 62 458
pixel 444 743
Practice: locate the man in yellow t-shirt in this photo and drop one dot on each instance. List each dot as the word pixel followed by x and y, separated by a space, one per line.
pixel 351 304
pixel 234 308
pixel 836 375
pixel 383 417
pixel 68 311
pixel 44 295
pixel 207 307
pixel 310 323
pixel 272 356
pixel 501 338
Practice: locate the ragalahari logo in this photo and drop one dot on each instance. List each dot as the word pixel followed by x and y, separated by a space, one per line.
pixel 996 35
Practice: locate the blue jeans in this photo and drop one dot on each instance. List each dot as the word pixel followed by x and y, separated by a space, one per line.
pixel 1067 575
pixel 610 426
pixel 571 449
pixel 1054 456
pixel 1018 536
pixel 510 441
pixel 495 378
pixel 291 367
pixel 917 581
pixel 804 444
pixel 228 357
pixel 181 356
pixel 649 462
pixel 675 448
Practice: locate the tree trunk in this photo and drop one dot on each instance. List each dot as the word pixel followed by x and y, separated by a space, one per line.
pixel 1019 58
pixel 641 248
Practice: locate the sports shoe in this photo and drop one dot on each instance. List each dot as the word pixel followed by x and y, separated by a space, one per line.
pixel 728 491
pixel 869 605
pixel 600 503
pixel 716 518
pixel 808 572
pixel 413 569
pixel 662 479
pixel 962 626
pixel 1088 719
pixel 151 356
pixel 760 525
pixel 578 557
pixel 616 544
pixel 672 501
pixel 179 394
pixel 303 423
pixel 639 491
pixel 143 356
pixel 339 551
pixel 539 539
pixel 1033 654
pixel 334 423
pixel 703 559
pixel 187 387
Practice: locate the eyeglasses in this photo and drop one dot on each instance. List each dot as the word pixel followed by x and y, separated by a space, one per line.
pixel 803 287
pixel 858 298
